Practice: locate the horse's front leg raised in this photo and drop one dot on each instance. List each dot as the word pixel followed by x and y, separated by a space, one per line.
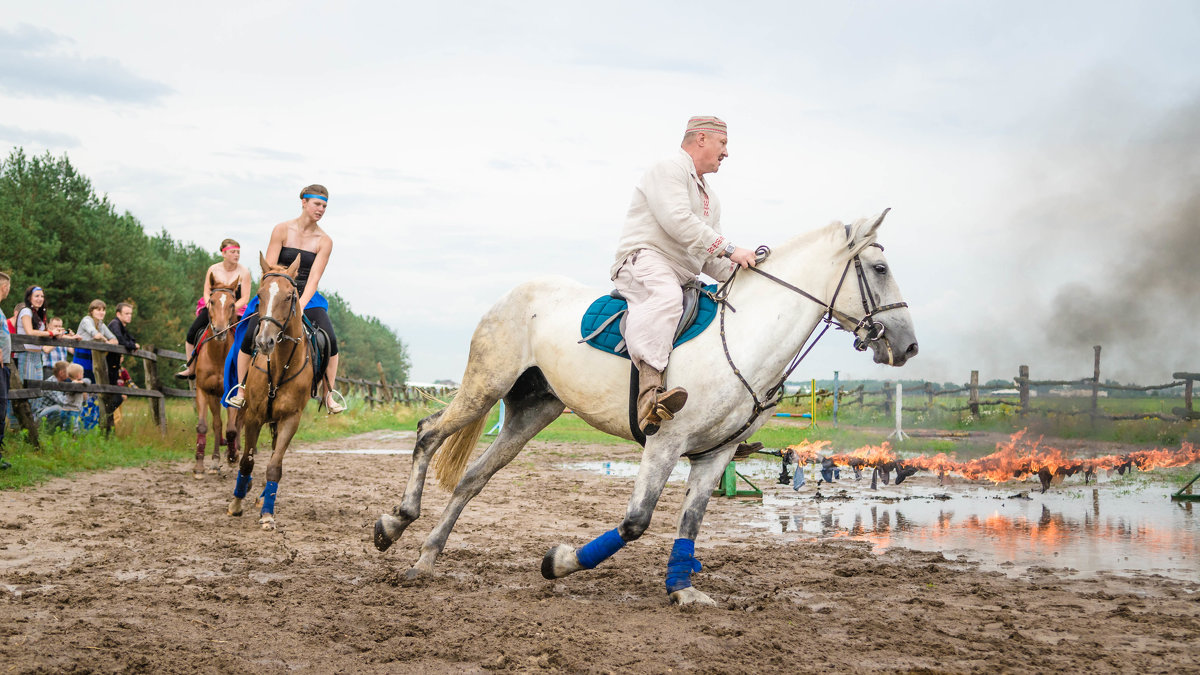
pixel 231 436
pixel 246 468
pixel 658 459
pixel 201 433
pixel 705 473
pixel 281 433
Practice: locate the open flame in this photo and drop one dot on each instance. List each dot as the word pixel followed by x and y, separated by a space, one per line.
pixel 1015 459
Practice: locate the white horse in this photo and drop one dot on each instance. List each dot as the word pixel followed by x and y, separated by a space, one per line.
pixel 526 350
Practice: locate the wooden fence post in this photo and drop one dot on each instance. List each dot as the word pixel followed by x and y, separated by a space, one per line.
pixel 1096 386
pixel 1024 387
pixel 928 396
pixel 888 395
pixel 158 406
pixel 100 370
pixel 387 391
pixel 22 409
pixel 973 395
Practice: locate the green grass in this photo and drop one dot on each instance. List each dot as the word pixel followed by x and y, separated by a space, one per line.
pixel 137 442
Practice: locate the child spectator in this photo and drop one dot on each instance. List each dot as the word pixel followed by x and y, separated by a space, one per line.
pixel 60 409
pixel 92 327
pixel 56 353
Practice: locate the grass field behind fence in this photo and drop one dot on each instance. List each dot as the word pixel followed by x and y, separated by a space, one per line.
pixel 136 441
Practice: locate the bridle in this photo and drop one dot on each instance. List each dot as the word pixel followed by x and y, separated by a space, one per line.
pixel 874 330
pixel 273 384
pixel 218 335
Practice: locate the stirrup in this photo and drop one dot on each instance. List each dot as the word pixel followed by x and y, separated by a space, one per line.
pixel 336 407
pixel 235 401
pixel 185 376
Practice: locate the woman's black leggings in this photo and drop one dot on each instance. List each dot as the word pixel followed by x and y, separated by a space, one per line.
pixel 198 326
pixel 317 315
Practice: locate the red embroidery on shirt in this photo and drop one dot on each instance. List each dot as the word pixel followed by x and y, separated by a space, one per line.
pixel 705 202
pixel 716 244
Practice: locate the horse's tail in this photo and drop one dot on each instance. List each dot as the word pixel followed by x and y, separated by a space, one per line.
pixel 451 460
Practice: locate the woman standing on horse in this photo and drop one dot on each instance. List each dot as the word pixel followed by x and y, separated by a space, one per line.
pixel 226 272
pixel 298 238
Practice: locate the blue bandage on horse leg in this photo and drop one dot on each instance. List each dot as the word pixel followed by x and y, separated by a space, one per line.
pixel 600 549
pixel 268 496
pixel 243 485
pixel 681 564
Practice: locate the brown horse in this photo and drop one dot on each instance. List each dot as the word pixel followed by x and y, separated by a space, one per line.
pixel 277 385
pixel 214 345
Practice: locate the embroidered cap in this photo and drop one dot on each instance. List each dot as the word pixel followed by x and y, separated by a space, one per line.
pixel 707 123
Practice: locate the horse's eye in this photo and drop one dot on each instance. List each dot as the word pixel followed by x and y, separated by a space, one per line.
pixel 881 269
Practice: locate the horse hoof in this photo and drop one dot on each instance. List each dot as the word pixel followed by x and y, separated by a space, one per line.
pixel 198 475
pixel 387 530
pixel 559 562
pixel 214 471
pixel 267 521
pixel 416 572
pixel 691 596
pixel 235 507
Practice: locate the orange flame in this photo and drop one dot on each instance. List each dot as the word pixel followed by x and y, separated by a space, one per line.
pixel 1014 459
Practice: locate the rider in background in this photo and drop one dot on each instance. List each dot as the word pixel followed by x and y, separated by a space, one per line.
pixel 302 238
pixel 672 233
pixel 225 272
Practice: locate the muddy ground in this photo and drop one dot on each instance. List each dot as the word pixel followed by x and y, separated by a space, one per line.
pixel 141 570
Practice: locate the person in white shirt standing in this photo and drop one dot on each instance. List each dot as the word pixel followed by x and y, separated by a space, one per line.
pixel 672 233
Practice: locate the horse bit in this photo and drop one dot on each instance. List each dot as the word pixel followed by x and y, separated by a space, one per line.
pixel 874 329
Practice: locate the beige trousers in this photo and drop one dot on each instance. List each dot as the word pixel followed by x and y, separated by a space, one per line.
pixel 655 297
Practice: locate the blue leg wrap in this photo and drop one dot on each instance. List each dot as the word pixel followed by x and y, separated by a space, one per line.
pixel 681 565
pixel 268 496
pixel 600 549
pixel 243 485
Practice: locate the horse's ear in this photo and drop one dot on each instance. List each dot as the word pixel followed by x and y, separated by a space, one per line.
pixel 865 229
pixel 294 267
pixel 262 260
pixel 212 280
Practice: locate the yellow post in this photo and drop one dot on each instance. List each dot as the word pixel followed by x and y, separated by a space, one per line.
pixel 812 407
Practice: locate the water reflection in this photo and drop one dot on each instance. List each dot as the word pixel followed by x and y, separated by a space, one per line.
pixel 1100 531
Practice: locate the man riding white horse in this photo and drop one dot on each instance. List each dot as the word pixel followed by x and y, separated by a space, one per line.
pixel 672 233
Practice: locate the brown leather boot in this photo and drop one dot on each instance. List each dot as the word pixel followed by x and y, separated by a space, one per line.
pixel 656 404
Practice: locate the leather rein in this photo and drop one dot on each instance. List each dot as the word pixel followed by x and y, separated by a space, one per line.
pixel 874 329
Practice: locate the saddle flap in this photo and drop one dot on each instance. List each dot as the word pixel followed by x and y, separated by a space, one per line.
pixel 603 324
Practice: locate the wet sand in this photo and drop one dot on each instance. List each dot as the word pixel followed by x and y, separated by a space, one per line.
pixel 140 570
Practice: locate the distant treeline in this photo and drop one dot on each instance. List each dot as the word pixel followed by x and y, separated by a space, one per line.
pixel 55 232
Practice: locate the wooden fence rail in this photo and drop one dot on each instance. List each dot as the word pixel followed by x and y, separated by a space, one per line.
pixel 154 392
pixel 1024 384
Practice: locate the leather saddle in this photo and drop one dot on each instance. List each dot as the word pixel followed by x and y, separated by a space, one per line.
pixel 319 346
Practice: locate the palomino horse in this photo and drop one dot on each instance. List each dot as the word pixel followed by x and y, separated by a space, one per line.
pixel 278 383
pixel 525 350
pixel 210 373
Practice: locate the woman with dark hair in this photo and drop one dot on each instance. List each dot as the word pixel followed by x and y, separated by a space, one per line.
pixel 300 238
pixel 31 321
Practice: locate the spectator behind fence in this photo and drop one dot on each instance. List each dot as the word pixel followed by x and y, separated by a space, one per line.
pixel 54 354
pixel 5 359
pixel 60 409
pixel 92 327
pixel 120 328
pixel 31 321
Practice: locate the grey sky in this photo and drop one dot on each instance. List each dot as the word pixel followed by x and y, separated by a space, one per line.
pixel 470 146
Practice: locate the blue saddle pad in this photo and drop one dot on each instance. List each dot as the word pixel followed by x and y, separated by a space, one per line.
pixel 606 305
